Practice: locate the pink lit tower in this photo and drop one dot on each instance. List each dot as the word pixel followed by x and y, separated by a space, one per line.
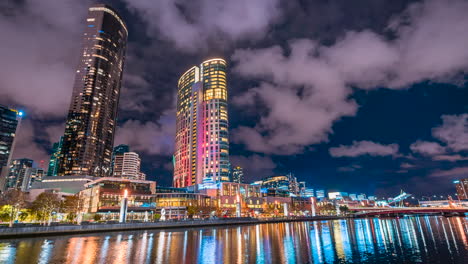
pixel 201 144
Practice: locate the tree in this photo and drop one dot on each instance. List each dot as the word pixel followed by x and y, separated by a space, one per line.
pixel 72 206
pixel 44 205
pixel 344 209
pixel 15 200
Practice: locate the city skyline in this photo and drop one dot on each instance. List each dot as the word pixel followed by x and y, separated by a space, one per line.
pixel 349 135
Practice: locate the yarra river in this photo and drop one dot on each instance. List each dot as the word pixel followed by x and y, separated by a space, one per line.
pixel 389 240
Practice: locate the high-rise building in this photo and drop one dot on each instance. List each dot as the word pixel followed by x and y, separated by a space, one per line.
pixel 9 121
pixel 55 158
pixel 201 143
pixel 127 166
pixel 19 174
pixel 462 188
pixel 238 175
pixel 120 149
pixel 89 131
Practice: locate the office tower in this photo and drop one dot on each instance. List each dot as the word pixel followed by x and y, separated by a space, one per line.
pixel 462 188
pixel 120 149
pixel 127 166
pixel 9 122
pixel 89 131
pixel 19 174
pixel 55 158
pixel 238 175
pixel 201 144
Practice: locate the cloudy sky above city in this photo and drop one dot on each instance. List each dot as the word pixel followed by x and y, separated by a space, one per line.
pixel 359 96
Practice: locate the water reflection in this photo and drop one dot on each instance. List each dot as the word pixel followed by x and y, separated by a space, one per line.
pixel 392 240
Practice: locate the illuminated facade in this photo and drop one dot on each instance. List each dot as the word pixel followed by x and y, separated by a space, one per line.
pixel 89 132
pixel 127 166
pixel 201 144
pixel 9 121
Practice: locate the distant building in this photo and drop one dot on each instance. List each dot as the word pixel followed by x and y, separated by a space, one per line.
pixel 9 121
pixel 19 174
pixel 202 142
pixel 462 188
pixel 55 158
pixel 118 150
pixel 353 197
pixel 238 175
pixel 284 183
pixel 92 116
pixel 66 185
pixel 127 166
pixel 361 197
pixel 320 194
pixel 337 195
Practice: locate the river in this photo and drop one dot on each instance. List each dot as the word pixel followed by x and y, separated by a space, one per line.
pixel 391 240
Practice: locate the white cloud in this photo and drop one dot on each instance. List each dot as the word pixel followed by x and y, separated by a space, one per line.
pixel 360 148
pixel 148 137
pixel 427 148
pixel 191 24
pixel 453 132
pixel 307 86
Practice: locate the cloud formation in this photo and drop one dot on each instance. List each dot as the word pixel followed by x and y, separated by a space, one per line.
pixel 192 24
pixel 453 132
pixel 148 137
pixel 307 86
pixel 427 148
pixel 37 65
pixel 360 148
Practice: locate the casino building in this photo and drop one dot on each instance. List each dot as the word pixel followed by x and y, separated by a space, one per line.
pixel 201 143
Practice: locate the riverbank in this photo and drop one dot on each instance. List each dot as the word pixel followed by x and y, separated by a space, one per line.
pixel 34 231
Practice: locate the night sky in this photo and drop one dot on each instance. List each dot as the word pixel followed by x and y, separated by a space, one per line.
pixel 358 96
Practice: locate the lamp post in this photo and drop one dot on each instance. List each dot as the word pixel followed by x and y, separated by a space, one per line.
pixel 124 207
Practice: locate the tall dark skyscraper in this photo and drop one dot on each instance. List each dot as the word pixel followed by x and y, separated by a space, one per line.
pixel 9 120
pixel 89 131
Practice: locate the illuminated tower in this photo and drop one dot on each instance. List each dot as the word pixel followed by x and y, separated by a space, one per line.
pixel 201 144
pixel 89 132
pixel 9 125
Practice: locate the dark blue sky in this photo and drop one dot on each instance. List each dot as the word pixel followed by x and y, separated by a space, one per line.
pixel 364 80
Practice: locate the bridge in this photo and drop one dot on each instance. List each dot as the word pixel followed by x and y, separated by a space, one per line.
pixel 396 211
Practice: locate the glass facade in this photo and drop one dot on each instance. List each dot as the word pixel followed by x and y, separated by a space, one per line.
pixel 202 143
pixel 89 132
pixel 19 175
pixel 55 158
pixel 9 120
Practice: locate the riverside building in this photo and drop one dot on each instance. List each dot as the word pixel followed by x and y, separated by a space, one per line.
pixel 201 143
pixel 90 126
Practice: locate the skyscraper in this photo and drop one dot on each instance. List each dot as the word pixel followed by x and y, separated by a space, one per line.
pixel 201 144
pixel 9 120
pixel 238 175
pixel 127 166
pixel 55 158
pixel 89 131
pixel 120 149
pixel 19 175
